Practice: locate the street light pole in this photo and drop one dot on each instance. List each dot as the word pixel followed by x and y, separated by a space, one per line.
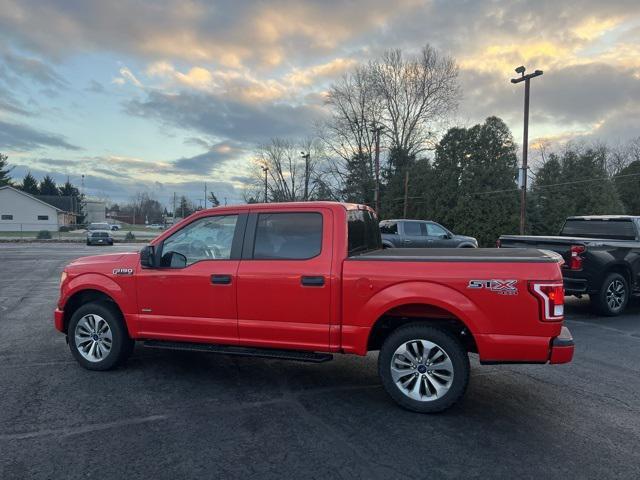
pixel 265 170
pixel 376 131
pixel 525 141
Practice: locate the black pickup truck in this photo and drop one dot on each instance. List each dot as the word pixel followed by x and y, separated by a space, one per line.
pixel 601 254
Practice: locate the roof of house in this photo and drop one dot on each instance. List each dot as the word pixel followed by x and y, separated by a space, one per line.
pixel 30 196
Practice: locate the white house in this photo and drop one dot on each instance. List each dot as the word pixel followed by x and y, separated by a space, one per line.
pixel 20 211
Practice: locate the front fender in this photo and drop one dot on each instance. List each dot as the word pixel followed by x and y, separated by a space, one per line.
pixel 101 283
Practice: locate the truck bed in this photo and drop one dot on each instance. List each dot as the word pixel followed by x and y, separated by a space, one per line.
pixel 510 255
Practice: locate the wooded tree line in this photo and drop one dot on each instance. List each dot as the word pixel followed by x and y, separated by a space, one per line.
pixel 467 180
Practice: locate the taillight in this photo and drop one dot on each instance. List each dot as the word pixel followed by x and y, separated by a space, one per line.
pixel 551 298
pixel 575 262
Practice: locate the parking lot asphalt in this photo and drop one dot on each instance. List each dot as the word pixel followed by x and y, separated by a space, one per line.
pixel 186 415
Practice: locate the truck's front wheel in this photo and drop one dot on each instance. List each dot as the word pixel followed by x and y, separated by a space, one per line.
pixel 423 369
pixel 97 336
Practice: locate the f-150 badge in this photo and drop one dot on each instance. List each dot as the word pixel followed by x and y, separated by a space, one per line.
pixel 501 287
pixel 123 271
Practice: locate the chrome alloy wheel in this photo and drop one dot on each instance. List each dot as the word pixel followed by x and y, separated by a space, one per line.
pixel 615 295
pixel 93 338
pixel 422 370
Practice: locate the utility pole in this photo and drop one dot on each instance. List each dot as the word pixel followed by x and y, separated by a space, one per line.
pixel 265 170
pixel 225 201
pixel 205 195
pixel 406 192
pixel 306 157
pixel 376 131
pixel 174 208
pixel 525 142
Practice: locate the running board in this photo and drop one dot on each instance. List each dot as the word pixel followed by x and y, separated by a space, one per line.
pixel 296 355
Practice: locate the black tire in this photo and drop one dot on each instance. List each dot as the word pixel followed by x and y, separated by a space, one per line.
pixel 613 296
pixel 121 344
pixel 446 342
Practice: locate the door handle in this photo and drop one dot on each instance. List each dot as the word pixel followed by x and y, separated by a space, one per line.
pixel 312 281
pixel 221 279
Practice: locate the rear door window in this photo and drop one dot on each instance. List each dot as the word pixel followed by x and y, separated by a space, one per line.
pixel 621 229
pixel 389 228
pixel 288 236
pixel 415 229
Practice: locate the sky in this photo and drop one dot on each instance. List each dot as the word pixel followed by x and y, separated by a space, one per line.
pixel 161 96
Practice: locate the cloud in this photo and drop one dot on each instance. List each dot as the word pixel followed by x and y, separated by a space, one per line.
pixel 23 138
pixel 223 117
pixel 126 76
pixel 10 104
pixel 204 163
pixel 16 68
pixel 95 87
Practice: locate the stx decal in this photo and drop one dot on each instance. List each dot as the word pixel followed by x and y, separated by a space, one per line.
pixel 501 287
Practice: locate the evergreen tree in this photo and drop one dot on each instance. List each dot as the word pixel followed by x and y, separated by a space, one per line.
pixel 548 206
pixel 213 200
pixel 591 191
pixel 185 207
pixel 359 185
pixel 5 179
pixel 30 184
pixel 420 191
pixel 488 203
pixel 627 183
pixel 392 201
pixel 447 171
pixel 473 185
pixel 48 186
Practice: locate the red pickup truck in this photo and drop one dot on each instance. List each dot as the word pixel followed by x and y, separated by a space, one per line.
pixel 301 281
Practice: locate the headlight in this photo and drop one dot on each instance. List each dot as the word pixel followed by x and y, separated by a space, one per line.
pixel 63 277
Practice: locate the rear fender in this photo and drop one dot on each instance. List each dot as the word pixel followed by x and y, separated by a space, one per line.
pixel 425 293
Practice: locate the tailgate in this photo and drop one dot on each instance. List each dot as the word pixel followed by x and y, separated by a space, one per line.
pixel 560 245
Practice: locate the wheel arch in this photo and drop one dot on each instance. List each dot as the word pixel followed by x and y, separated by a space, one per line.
pixel 409 302
pixel 84 296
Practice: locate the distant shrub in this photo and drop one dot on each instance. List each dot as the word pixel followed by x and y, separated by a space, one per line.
pixel 44 235
pixel 129 237
pixel 64 228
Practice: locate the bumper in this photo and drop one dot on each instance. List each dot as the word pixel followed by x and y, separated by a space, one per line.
pixel 575 285
pixel 562 347
pixel 58 317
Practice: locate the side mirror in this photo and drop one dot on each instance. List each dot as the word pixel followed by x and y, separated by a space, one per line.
pixel 173 260
pixel 148 257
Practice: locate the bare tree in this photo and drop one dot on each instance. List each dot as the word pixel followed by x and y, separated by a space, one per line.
pixel 416 94
pixel 291 176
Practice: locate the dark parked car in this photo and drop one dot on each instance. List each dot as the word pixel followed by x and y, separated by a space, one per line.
pixel 99 237
pixel 601 254
pixel 420 234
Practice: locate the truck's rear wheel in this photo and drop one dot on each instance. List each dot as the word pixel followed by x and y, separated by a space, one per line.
pixel 423 369
pixel 613 296
pixel 98 338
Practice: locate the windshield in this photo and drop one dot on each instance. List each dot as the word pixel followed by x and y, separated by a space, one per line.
pixel 99 226
pixel 618 228
pixel 363 231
